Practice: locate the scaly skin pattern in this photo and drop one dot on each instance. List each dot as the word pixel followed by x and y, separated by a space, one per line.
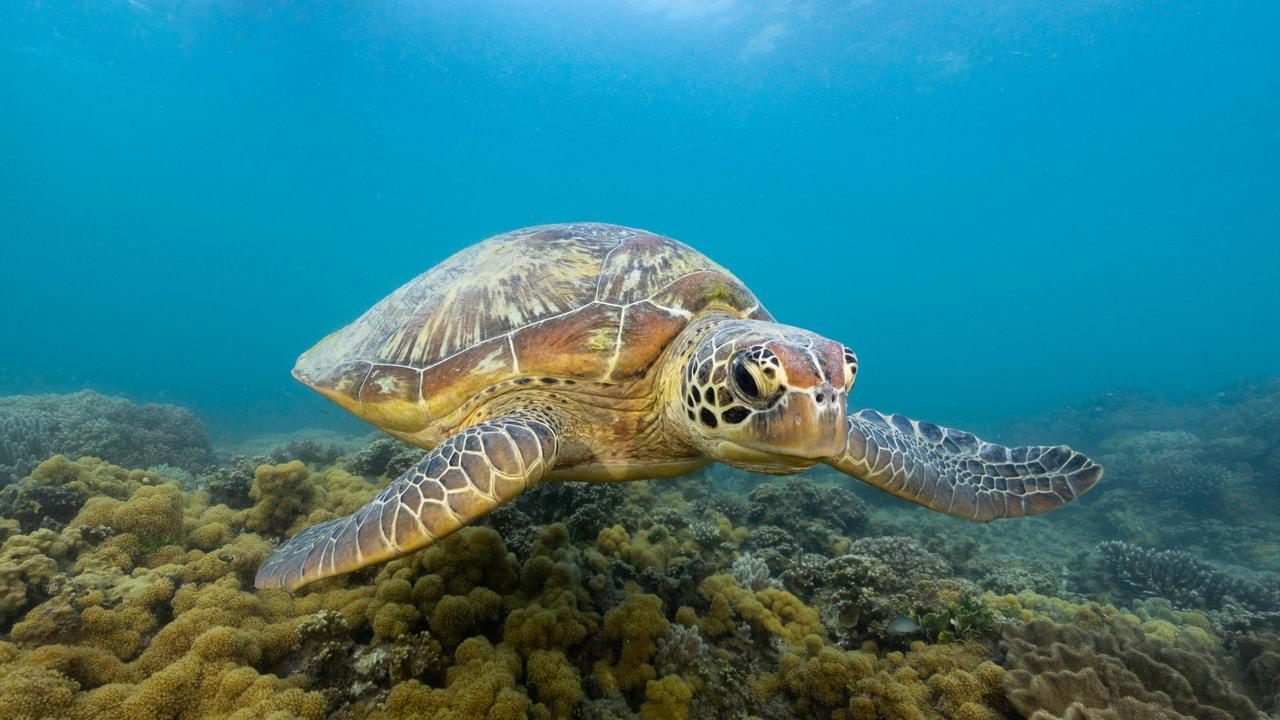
pixel 597 353
pixel 762 396
pixel 954 472
pixel 456 483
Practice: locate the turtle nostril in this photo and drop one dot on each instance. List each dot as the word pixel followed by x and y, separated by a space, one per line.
pixel 825 392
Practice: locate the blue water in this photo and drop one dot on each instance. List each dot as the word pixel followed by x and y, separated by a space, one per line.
pixel 1004 207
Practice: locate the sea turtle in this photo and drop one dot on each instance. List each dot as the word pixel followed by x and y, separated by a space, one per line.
pixel 593 352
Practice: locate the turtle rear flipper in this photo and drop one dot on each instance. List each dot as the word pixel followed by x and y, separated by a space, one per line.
pixel 954 472
pixel 459 481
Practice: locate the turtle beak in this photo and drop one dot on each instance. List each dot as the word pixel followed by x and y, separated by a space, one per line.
pixel 807 423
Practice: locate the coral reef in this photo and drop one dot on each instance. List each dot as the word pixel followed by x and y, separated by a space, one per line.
pixel 384 457
pixel 928 681
pixel 126 590
pixel 1168 463
pixel 1131 573
pixel 229 484
pixel 585 510
pixel 57 488
pixel 281 493
pixel 35 427
pixel 1116 670
pixel 815 517
pixel 307 450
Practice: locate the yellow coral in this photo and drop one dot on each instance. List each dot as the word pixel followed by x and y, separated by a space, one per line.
pixel 281 493
pixel 773 610
pixel 238 558
pixel 152 514
pixel 637 622
pixel 202 687
pixel 552 621
pixel 554 681
pixel 482 684
pixel 90 476
pixel 86 665
pixel 469 558
pixel 602 674
pixel 26 562
pixel 666 699
pixel 651 549
pixel 30 693
pixel 456 615
pixel 209 536
pixel 795 618
pixel 686 616
pixel 925 683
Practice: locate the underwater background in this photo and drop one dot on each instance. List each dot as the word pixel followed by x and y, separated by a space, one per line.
pixel 1044 222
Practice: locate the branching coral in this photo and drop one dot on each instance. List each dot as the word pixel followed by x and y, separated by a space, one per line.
pixel 860 593
pixel 34 427
pixel 230 484
pixel 752 572
pixel 1133 573
pixel 1014 576
pixel 1170 465
pixel 384 457
pixel 584 509
pixel 816 517
pixel 307 450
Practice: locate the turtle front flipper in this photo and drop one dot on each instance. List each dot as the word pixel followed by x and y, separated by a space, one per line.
pixel 954 472
pixel 463 478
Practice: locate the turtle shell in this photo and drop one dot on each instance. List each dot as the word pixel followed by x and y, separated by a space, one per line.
pixel 582 302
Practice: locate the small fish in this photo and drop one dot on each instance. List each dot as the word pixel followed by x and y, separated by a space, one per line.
pixel 904 626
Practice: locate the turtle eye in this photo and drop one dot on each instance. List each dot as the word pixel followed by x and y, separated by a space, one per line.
pixel 744 380
pixel 850 369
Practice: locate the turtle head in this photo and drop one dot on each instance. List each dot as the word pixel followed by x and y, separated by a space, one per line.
pixel 766 397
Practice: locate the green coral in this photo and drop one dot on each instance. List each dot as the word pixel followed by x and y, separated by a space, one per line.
pixel 965 619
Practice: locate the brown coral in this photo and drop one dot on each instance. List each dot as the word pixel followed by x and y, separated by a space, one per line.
pixel 1113 669
pixel 482 684
pixel 281 493
pixel 637 623
pixel 926 683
